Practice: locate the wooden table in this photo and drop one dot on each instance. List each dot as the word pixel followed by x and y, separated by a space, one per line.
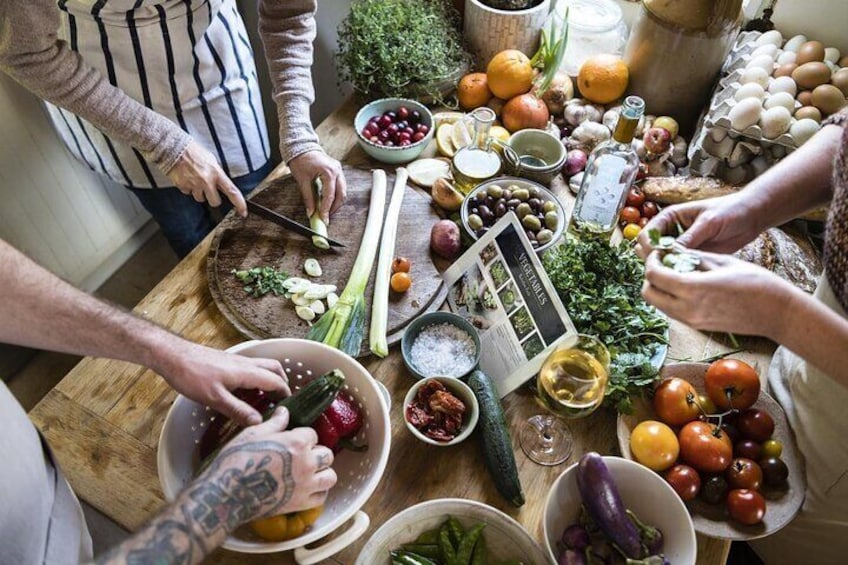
pixel 103 419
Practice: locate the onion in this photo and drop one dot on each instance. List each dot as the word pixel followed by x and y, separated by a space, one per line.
pixel 444 239
pixel 575 162
pixel 558 93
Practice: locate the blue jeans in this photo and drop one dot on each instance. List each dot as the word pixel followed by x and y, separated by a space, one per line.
pixel 183 220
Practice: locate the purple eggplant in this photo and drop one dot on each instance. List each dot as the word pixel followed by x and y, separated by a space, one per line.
pixel 576 537
pixel 652 538
pixel 603 503
pixel 572 557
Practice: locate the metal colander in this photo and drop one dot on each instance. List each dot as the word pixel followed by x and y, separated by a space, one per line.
pixel 358 472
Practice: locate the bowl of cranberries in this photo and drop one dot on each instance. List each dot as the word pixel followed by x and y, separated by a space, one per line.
pixel 394 130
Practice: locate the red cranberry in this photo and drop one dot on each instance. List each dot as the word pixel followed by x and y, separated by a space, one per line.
pixel 423 128
pixel 418 136
pixel 384 121
pixel 415 116
pixel 403 112
pixel 405 142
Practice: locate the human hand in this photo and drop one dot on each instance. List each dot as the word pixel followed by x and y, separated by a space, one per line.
pixel 198 174
pixel 266 471
pixel 721 225
pixel 305 168
pixel 208 375
pixel 726 295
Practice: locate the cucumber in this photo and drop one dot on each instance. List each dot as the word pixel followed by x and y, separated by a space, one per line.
pixel 495 440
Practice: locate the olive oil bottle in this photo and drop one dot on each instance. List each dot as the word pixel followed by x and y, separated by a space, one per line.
pixel 477 161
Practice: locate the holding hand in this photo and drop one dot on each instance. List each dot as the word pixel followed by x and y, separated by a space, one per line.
pixel 721 225
pixel 726 295
pixel 197 173
pixel 305 168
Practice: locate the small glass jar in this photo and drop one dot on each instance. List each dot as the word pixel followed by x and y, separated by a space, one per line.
pixel 594 27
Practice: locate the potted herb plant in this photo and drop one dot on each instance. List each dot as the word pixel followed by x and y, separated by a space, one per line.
pixel 494 25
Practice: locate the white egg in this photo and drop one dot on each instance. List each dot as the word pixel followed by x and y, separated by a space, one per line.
pixel 787 58
pixel 802 130
pixel 783 99
pixel 745 113
pixel 795 43
pixel 783 84
pixel 770 50
pixel 831 55
pixel 750 90
pixel 755 74
pixel 772 37
pixel 775 122
pixel 764 62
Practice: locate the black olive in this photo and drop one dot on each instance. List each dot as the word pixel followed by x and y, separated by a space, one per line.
pixel 490 202
pixel 485 213
pixel 500 209
pixel 513 203
pixel 531 235
pixel 475 210
pixel 507 194
pixel 535 203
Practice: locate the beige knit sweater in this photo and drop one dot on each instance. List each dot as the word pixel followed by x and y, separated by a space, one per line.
pixel 32 54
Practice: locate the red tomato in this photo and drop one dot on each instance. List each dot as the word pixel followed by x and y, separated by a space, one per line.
pixel 685 481
pixel 705 447
pixel 629 215
pixel 731 383
pixel 744 473
pixel 643 221
pixel 676 402
pixel 746 506
pixel 635 197
pixel 748 449
pixel 755 424
pixel 650 209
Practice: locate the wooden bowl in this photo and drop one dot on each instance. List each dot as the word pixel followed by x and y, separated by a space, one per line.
pixel 712 519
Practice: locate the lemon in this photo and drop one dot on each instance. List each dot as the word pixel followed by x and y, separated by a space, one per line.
pixel 462 134
pixel 443 140
pixel 499 132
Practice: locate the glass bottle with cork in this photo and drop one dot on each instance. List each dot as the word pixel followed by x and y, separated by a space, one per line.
pixel 610 172
pixel 477 161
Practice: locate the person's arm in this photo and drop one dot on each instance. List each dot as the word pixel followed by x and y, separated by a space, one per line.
pixel 262 472
pixel 287 28
pixel 731 295
pixel 32 54
pixel 40 310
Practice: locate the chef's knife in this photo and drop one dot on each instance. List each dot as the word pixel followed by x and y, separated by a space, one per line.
pixel 287 223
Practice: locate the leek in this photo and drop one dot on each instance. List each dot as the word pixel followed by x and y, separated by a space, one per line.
pixel 315 221
pixel 343 325
pixel 380 307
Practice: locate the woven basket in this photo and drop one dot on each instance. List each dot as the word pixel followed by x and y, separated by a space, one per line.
pixel 489 31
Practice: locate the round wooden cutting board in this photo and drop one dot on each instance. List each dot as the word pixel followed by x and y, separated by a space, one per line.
pixel 254 242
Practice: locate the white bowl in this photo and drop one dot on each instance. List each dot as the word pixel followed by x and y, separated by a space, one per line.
pixel 458 389
pixel 359 473
pixel 644 492
pixel 505 538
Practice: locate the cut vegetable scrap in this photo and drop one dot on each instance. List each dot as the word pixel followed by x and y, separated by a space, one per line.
pixel 425 172
pixel 312 267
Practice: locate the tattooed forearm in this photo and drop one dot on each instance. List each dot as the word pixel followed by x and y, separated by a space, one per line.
pixel 244 482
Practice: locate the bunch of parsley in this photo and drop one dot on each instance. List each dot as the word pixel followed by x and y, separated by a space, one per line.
pixel 600 286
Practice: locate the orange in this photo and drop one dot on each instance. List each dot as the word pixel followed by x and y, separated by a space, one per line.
pixel 473 91
pixel 510 74
pixel 603 78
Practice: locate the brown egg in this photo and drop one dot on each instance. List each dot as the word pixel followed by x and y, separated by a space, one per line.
pixel 828 99
pixel 809 52
pixel 840 80
pixel 808 112
pixel 805 97
pixel 785 70
pixel 843 62
pixel 810 75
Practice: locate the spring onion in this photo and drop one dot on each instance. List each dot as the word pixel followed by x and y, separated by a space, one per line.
pixel 343 325
pixel 380 307
pixel 315 221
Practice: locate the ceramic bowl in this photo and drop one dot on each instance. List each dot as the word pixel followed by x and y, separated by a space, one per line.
pixel 458 389
pixel 544 194
pixel 418 324
pixel 535 145
pixel 392 155
pixel 505 538
pixel 644 492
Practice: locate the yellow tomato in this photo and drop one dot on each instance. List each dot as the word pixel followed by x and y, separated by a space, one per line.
pixel 286 526
pixel 630 231
pixel 654 445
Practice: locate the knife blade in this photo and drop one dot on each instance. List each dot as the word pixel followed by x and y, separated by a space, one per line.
pixel 287 223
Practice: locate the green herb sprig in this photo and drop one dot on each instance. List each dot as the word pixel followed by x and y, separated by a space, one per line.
pixel 259 281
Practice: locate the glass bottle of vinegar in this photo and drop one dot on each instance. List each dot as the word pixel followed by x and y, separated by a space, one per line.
pixel 477 161
pixel 610 172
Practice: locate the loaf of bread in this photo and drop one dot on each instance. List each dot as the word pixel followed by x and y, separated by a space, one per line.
pixel 788 254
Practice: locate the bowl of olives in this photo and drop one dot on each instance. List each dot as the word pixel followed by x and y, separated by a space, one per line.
pixel 540 212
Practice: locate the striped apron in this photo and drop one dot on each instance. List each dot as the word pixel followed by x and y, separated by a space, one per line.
pixel 189 60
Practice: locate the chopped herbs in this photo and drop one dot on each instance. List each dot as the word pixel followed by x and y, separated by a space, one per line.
pixel 259 281
pixel 600 287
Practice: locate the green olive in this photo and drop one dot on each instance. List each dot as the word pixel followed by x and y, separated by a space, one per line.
pixel 549 206
pixel 534 192
pixel 521 193
pixel 513 187
pixel 495 191
pixel 475 222
pixel 522 210
pixel 551 220
pixel 531 222
pixel 544 236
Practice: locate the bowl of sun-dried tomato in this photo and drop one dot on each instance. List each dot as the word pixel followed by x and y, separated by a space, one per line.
pixel 440 410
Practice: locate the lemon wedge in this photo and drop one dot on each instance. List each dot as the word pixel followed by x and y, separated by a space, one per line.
pixel 440 118
pixel 461 135
pixel 443 140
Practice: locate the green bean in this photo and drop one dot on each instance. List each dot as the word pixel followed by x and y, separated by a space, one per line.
pixel 429 537
pixel 479 556
pixel 430 550
pixel 448 551
pixel 463 553
pixel 457 532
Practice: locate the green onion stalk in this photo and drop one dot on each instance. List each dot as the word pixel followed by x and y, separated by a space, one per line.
pixel 343 326
pixel 315 221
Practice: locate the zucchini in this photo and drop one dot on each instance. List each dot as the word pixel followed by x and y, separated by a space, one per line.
pixel 495 440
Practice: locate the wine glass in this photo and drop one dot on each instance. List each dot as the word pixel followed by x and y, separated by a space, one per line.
pixel 570 384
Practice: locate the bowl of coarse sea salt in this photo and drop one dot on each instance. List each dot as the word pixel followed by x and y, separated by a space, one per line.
pixel 440 344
